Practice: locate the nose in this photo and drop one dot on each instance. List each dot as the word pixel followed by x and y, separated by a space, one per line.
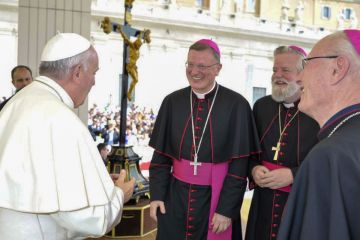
pixel 194 70
pixel 277 74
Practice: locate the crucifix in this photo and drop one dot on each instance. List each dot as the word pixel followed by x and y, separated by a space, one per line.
pixel 277 150
pixel 195 163
pixel 123 157
pixel 130 56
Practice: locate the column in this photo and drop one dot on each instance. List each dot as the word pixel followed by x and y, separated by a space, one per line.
pixel 39 20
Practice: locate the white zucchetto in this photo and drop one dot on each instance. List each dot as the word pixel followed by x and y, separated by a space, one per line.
pixel 64 45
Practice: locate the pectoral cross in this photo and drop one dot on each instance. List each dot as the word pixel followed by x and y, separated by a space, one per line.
pixel 277 150
pixel 195 163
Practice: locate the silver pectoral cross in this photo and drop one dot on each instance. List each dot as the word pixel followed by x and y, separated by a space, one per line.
pixel 277 150
pixel 195 163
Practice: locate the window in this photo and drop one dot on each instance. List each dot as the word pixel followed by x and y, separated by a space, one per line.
pixel 250 6
pixel 347 13
pixel 258 92
pixel 326 12
pixel 202 4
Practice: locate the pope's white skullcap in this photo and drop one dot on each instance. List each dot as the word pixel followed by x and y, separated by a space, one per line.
pixel 64 45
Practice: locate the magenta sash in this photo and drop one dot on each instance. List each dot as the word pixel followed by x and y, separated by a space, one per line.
pixel 272 166
pixel 208 174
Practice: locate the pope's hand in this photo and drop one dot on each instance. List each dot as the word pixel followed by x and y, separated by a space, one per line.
pixel 126 187
pixel 154 205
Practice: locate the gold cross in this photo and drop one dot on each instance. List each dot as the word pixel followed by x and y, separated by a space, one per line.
pixel 195 163
pixel 276 149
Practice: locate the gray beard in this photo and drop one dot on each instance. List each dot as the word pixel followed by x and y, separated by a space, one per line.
pixel 280 95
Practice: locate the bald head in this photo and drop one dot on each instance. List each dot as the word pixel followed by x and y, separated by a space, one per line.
pixel 339 44
pixel 331 77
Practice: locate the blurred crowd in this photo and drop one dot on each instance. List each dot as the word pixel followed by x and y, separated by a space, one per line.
pixel 104 124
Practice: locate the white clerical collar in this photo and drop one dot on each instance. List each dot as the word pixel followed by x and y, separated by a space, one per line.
pixel 288 105
pixel 57 90
pixel 202 95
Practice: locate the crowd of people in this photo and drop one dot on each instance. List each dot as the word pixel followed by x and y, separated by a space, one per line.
pixel 104 124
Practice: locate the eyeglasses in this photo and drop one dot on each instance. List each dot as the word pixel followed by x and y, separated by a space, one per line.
pixel 199 66
pixel 306 60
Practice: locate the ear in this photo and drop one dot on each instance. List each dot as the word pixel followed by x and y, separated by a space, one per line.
pixel 218 68
pixel 340 69
pixel 76 73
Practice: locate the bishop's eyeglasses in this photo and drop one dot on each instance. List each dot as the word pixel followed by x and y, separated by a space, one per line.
pixel 200 67
pixel 306 60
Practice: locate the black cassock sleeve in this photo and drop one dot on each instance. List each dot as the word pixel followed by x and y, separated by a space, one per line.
pixel 160 174
pixel 235 182
pixel 233 190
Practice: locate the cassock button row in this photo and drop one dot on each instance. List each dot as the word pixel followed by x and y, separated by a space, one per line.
pixel 281 153
pixel 190 226
pixel 276 215
pixel 197 128
pixel 193 190
pixel 192 200
pixel 277 194
pixel 277 205
pixel 191 218
pixel 289 114
pixel 198 118
pixel 191 209
pixel 285 134
pixel 189 234
pixel 273 235
pixel 283 144
pixel 275 225
pixel 197 137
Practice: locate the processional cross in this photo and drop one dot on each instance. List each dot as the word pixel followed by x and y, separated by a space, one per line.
pixel 131 53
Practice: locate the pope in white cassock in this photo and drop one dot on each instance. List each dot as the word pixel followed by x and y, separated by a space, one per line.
pixel 53 182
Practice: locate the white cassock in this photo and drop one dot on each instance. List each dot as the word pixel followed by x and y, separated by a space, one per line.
pixel 53 182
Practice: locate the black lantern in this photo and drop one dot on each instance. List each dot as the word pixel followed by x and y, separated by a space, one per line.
pixel 123 157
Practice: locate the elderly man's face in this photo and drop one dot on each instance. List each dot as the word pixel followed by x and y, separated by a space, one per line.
pixel 315 78
pixel 285 79
pixel 21 78
pixel 88 77
pixel 202 68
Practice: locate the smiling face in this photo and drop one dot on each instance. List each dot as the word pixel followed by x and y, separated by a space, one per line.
pixel 315 78
pixel 202 70
pixel 285 79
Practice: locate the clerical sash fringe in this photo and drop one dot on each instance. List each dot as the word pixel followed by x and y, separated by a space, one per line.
pixel 272 166
pixel 208 174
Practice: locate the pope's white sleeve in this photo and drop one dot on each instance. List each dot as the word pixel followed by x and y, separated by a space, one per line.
pixel 92 221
